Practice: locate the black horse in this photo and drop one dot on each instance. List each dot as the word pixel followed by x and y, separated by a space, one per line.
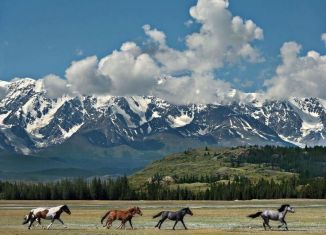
pixel 175 216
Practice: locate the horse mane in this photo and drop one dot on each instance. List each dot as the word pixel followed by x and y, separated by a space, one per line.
pixel 282 207
pixel 132 209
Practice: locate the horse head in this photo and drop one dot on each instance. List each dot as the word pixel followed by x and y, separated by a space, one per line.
pixel 290 209
pixel 188 211
pixel 65 208
pixel 286 207
pixel 136 210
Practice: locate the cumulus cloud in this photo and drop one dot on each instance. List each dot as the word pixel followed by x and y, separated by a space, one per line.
pixel 131 71
pixel 134 70
pixel 55 86
pixel 198 88
pixel 323 38
pixel 85 78
pixel 221 39
pixel 155 35
pixel 303 76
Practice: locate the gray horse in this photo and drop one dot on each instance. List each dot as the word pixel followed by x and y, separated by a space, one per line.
pixel 176 216
pixel 274 215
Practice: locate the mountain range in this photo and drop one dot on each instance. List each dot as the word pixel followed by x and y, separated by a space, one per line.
pixel 110 134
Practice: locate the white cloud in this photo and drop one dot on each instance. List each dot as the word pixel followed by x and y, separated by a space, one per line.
pixel 155 35
pixel 298 76
pixel 198 88
pixel 221 39
pixel 55 86
pixel 131 72
pixel 84 77
pixel 323 38
pixel 188 23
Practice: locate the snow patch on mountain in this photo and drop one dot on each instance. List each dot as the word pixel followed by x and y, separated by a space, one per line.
pixel 118 110
pixel 3 117
pixel 292 142
pixel 180 121
pixel 71 131
pixel 102 101
pixel 46 119
pixel 139 106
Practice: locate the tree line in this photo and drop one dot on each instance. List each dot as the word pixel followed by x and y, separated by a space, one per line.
pixel 240 188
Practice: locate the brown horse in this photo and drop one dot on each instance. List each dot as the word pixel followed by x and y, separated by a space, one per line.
pixel 124 216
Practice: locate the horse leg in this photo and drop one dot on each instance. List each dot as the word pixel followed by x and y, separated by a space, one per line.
pixel 119 227
pixel 106 223
pixel 286 225
pixel 183 224
pixel 267 222
pixel 109 223
pixel 131 224
pixel 160 222
pixel 175 224
pixel 31 222
pixel 52 221
pixel 123 224
pixel 282 223
pixel 62 223
pixel 39 222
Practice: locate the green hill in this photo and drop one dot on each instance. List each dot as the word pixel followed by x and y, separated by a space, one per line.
pixel 196 168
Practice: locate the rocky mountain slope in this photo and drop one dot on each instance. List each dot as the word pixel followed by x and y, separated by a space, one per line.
pixel 136 130
pixel 30 120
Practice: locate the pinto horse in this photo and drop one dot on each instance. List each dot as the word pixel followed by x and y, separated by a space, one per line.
pixel 176 216
pixel 52 214
pixel 124 216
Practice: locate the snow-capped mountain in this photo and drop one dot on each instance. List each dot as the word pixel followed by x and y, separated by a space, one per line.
pixel 31 121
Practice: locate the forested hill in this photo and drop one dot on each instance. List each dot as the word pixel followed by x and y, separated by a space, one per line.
pixel 206 165
pixel 199 174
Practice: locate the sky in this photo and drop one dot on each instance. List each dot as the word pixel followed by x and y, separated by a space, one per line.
pixel 183 51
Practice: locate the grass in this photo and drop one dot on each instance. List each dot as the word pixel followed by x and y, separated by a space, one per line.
pixel 210 217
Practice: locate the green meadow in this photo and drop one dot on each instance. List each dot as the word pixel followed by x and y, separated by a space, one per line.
pixel 210 217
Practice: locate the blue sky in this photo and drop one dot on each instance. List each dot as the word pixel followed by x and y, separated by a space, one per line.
pixel 39 37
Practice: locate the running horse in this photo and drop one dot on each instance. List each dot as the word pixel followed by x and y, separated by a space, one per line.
pixel 176 216
pixel 124 216
pixel 274 215
pixel 52 214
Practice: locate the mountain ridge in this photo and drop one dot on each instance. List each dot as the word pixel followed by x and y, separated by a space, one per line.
pixel 135 130
pixel 30 120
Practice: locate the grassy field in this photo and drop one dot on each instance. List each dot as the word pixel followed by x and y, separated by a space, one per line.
pixel 210 217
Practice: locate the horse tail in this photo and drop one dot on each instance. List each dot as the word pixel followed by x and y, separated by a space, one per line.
pixel 157 215
pixel 28 217
pixel 255 215
pixel 103 218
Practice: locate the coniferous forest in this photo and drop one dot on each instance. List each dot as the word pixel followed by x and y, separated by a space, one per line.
pixel 309 181
pixel 119 189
